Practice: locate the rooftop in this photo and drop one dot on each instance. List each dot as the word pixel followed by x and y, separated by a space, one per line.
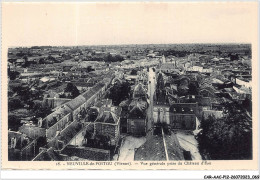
pixel 175 151
pixel 137 109
pixel 109 115
pixel 151 150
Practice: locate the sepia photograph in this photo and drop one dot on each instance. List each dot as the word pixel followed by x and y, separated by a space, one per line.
pixel 130 102
pixel 130 85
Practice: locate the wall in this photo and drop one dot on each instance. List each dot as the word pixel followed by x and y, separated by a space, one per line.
pixel 216 114
pixel 55 102
pixel 40 156
pixel 78 139
pixel 76 112
pixel 63 135
pixel 28 152
pixel 155 115
pixel 110 130
pixel 183 121
pixel 33 131
pixel 193 106
pixel 136 126
pixel 58 126
pixel 161 114
pixel 69 130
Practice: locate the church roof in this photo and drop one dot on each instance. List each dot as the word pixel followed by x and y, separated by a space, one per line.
pixel 137 109
pixel 139 90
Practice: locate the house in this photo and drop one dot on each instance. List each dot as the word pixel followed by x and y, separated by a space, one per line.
pixel 140 92
pixel 56 121
pixel 169 68
pixel 124 115
pixel 244 82
pixel 108 123
pixel 215 113
pixel 136 120
pixel 183 116
pixel 48 155
pixel 19 62
pixel 76 105
pixel 205 103
pixel 208 91
pixel 67 68
pixel 20 147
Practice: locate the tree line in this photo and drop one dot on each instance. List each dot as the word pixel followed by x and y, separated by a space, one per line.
pixel 227 138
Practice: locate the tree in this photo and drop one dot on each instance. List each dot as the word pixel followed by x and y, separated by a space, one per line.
pixel 118 58
pixel 119 92
pixel 13 74
pixel 23 92
pixel 41 142
pixel 14 104
pixel 193 88
pixel 14 122
pixel 89 69
pixel 72 89
pixel 133 72
pixel 110 58
pixel 247 104
pixel 233 57
pixel 102 141
pixel 88 135
pixel 42 111
pixel 228 138
pixel 41 61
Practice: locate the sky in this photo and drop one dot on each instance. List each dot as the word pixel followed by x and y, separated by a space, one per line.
pixel 65 24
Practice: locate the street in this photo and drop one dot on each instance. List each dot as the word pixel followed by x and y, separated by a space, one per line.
pixel 127 150
pixel 151 90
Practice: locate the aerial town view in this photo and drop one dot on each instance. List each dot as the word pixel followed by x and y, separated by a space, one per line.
pixel 138 102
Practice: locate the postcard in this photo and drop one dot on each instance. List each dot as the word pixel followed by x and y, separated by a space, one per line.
pixel 125 86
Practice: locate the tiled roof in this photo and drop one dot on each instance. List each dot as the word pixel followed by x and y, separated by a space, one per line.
pixel 210 89
pixel 49 155
pixel 167 66
pixel 104 102
pixel 139 90
pixel 151 150
pixel 76 102
pixel 88 94
pixel 175 151
pixel 58 114
pixel 137 109
pixel 204 101
pixel 109 115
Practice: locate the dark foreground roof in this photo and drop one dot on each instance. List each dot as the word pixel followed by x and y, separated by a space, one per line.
pixel 151 150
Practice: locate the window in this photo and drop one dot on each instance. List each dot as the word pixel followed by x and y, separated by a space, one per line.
pixel 132 123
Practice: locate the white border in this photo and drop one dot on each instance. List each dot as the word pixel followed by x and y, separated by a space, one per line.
pixel 121 174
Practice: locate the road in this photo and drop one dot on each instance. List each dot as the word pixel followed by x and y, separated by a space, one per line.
pixel 127 150
pixel 189 143
pixel 151 90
